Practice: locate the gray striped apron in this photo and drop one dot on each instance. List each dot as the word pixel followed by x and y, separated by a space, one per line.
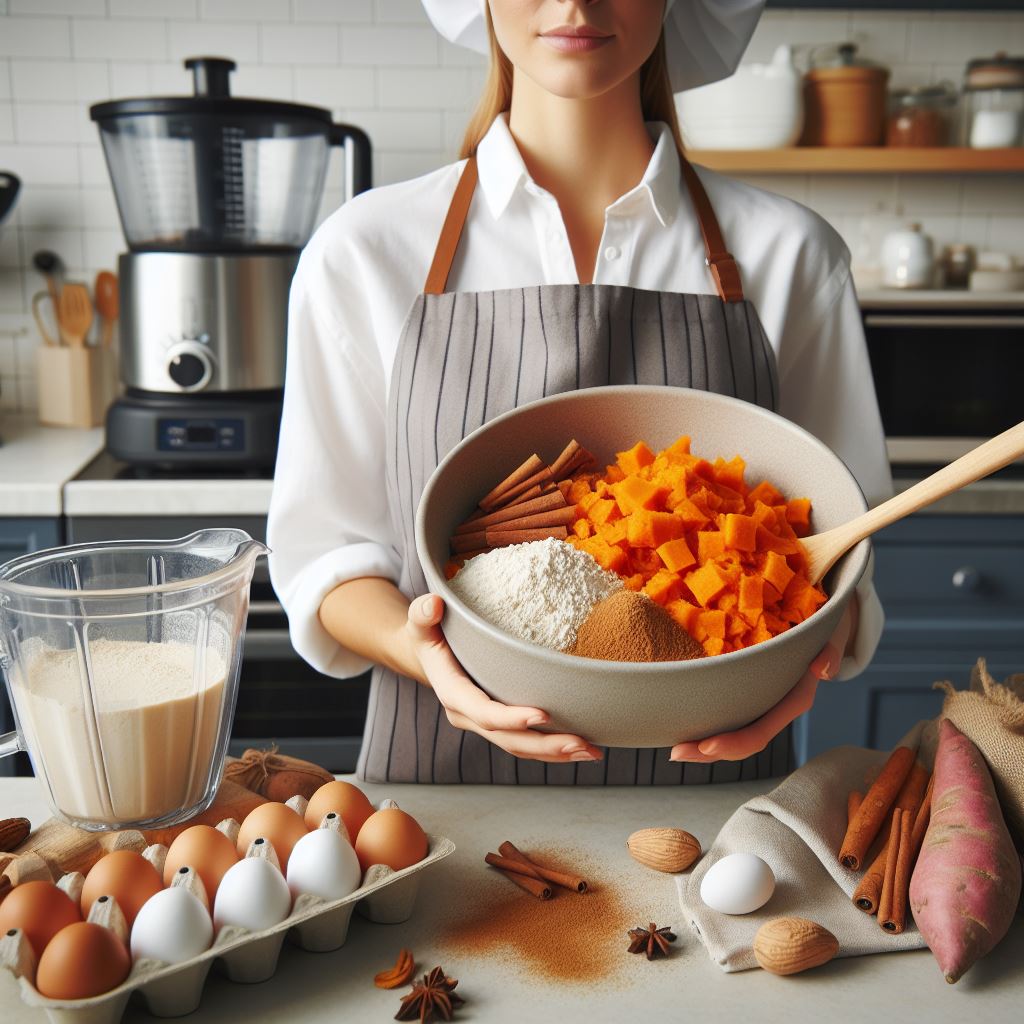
pixel 465 357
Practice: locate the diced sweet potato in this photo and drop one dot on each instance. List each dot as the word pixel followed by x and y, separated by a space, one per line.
pixel 613 532
pixel 634 493
pixel 634 582
pixel 751 598
pixel 731 473
pixel 711 623
pixel 740 532
pixel 582 529
pixel 579 491
pixel 710 545
pixel 613 474
pixel 646 529
pixel 691 516
pixel 633 460
pixel 604 510
pixel 777 571
pixel 798 513
pixel 684 613
pixel 706 583
pixel 663 586
pixel 676 554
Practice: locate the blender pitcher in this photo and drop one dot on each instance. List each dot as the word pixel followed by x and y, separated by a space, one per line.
pixel 121 661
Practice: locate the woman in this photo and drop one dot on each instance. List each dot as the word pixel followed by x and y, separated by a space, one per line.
pixel 572 212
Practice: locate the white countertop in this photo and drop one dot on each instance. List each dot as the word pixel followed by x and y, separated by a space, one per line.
pixel 938 298
pixel 36 462
pixel 158 497
pixel 500 989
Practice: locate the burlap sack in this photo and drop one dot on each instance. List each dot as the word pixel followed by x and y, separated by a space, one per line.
pixel 991 715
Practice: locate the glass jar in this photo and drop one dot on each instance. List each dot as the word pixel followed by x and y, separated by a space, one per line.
pixel 921 116
pixel 994 102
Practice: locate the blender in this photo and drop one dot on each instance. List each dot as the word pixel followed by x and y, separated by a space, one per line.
pixel 121 661
pixel 217 195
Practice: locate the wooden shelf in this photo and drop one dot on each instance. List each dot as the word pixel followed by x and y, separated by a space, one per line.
pixel 862 160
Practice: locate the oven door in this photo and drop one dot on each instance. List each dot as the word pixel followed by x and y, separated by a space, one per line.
pixel 946 379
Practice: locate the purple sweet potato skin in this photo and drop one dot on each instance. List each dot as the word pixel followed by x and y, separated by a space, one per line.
pixel 967 880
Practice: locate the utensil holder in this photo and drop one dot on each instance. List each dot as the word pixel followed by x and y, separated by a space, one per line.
pixel 76 385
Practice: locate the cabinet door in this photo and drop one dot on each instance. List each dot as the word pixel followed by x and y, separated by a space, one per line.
pixel 19 537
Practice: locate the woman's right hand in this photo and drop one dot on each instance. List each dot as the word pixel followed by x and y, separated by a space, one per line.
pixel 468 707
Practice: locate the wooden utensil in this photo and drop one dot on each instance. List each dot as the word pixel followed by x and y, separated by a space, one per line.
pixel 105 296
pixel 75 314
pixel 37 301
pixel 825 549
pixel 51 268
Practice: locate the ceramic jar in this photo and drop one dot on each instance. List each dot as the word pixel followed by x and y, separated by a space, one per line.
pixel 908 258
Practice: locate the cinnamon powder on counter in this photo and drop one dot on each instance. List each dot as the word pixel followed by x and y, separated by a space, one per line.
pixel 571 937
pixel 629 626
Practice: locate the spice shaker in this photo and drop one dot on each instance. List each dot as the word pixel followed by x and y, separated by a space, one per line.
pixel 920 116
pixel 957 261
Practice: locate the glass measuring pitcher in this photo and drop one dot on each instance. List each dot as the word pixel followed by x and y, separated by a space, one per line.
pixel 121 661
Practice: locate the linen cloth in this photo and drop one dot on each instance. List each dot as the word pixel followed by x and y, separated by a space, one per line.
pixel 797 829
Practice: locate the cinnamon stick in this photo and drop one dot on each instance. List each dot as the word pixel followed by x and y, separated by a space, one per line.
pixel 877 803
pixel 924 812
pixel 868 893
pixel 535 886
pixel 889 874
pixel 563 516
pixel 579 461
pixel 469 541
pixel 505 538
pixel 892 910
pixel 516 477
pixel 542 503
pixel 567 881
pixel 853 801
pixel 568 453
pixel 542 476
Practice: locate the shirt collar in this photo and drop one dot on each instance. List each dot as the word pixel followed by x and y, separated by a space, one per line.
pixel 502 172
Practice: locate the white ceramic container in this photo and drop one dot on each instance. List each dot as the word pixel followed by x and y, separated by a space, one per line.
pixel 908 258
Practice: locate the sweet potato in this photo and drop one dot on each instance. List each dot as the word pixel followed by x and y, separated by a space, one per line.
pixel 967 881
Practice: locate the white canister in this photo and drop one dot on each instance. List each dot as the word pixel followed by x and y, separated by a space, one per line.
pixel 908 258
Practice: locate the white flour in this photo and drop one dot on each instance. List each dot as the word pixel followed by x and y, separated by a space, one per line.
pixel 540 592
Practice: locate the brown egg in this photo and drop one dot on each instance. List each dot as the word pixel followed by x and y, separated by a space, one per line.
pixel 82 960
pixel 125 875
pixel 40 910
pixel 206 850
pixel 391 837
pixel 275 822
pixel 344 799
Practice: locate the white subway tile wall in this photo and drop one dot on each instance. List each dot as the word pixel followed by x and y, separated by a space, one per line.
pixel 379 64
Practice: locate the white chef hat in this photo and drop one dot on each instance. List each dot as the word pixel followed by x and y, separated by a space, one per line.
pixel 704 39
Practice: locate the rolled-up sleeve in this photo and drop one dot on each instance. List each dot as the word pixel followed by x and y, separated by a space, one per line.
pixel 329 520
pixel 826 386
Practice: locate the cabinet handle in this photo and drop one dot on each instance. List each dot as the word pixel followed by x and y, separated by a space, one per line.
pixel 967 579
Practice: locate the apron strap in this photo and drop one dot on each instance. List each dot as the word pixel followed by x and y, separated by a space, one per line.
pixel 724 271
pixel 451 230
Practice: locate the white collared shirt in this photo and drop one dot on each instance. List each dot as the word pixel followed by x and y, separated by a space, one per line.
pixel 362 270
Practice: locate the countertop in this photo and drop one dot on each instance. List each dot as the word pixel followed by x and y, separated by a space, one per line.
pixel 36 462
pixel 499 988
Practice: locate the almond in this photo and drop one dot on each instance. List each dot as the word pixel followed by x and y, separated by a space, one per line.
pixel 664 849
pixel 789 945
pixel 13 832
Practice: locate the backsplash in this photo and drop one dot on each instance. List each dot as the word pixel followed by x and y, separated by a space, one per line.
pixel 379 64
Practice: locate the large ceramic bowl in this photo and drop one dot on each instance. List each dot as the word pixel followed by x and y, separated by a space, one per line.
pixel 622 704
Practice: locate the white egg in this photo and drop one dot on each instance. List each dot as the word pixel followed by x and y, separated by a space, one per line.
pixel 738 884
pixel 253 894
pixel 172 926
pixel 323 863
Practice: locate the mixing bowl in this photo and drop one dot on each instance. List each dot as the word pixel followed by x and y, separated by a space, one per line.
pixel 655 704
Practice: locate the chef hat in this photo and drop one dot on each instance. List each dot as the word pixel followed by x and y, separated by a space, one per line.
pixel 704 39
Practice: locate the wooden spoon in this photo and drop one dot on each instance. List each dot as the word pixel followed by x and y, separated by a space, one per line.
pixel 75 314
pixel 825 549
pixel 107 305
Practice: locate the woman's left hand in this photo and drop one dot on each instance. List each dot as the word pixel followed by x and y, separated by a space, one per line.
pixel 753 738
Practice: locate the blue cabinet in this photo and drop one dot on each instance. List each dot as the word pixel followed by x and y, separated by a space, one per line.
pixel 953 591
pixel 19 537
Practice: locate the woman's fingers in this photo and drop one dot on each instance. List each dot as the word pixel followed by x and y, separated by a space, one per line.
pixel 555 748
pixel 753 738
pixel 454 689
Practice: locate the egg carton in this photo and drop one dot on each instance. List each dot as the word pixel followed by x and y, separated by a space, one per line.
pixel 173 990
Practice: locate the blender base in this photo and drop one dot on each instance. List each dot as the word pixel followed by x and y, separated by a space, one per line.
pixel 231 431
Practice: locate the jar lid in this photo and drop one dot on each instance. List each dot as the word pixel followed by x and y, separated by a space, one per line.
pixel 998 72
pixel 940 93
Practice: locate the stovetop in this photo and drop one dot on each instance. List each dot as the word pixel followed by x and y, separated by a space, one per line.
pixel 106 467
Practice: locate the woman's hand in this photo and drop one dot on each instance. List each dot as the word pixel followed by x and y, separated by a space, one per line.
pixel 753 738
pixel 468 707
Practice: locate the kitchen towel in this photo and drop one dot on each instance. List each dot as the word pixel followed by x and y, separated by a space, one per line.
pixel 798 828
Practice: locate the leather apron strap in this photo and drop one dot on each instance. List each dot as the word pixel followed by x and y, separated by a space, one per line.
pixel 724 269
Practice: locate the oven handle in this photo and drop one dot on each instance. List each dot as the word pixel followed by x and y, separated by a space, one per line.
pixel 265 608
pixel 941 320
pixel 268 643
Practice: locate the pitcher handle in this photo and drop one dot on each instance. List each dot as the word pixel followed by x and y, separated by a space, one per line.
pixel 10 743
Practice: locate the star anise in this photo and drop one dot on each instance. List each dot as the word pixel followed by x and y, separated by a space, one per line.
pixel 435 994
pixel 651 940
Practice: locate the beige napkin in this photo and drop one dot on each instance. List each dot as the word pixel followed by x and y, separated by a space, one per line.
pixel 798 828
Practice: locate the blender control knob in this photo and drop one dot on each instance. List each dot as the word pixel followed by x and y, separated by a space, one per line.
pixel 189 367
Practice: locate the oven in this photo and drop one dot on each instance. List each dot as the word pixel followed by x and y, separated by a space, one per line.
pixel 948 371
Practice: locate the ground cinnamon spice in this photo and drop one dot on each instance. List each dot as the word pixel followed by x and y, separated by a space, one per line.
pixel 571 937
pixel 629 626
